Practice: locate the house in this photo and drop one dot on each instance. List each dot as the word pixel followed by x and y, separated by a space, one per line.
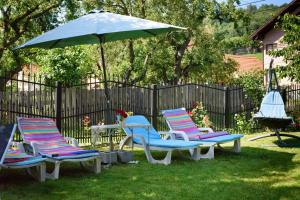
pixel 271 37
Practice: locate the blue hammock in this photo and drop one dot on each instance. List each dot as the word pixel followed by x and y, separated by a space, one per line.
pixel 272 112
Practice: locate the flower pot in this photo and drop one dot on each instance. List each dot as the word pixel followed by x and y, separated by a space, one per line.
pixel 109 157
pixel 122 123
pixel 125 156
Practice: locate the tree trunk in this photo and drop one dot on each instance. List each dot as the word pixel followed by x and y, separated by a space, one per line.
pixel 180 50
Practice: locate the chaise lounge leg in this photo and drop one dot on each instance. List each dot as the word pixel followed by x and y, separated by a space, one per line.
pixel 37 172
pixel 55 174
pixel 196 152
pixel 165 161
pixel 97 166
pixel 42 172
pixel 209 155
pixel 92 165
pixel 237 146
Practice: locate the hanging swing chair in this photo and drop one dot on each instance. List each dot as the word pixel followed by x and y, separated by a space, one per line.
pixel 272 112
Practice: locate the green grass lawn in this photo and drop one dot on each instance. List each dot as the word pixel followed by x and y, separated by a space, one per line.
pixel 261 171
pixel 258 55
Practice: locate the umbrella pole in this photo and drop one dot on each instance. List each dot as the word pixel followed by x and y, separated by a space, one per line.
pixel 107 96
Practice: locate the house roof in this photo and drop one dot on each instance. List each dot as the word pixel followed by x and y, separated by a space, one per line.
pixel 246 63
pixel 293 7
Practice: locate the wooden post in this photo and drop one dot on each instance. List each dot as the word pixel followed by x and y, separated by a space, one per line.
pixel 154 108
pixel 227 107
pixel 58 104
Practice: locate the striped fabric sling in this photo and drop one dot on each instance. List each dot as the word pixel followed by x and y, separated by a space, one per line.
pixel 179 120
pixel 50 142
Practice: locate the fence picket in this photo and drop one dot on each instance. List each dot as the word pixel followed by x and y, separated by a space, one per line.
pixel 30 95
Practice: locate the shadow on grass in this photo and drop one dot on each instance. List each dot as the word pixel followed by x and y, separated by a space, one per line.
pixel 288 142
pixel 255 173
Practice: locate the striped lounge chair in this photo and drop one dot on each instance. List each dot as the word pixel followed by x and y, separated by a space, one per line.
pixel 149 139
pixel 45 139
pixel 13 156
pixel 179 121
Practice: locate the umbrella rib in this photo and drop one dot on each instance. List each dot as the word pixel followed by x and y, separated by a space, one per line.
pixel 149 32
pixel 55 43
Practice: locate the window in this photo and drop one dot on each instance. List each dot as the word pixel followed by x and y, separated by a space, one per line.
pixel 270 47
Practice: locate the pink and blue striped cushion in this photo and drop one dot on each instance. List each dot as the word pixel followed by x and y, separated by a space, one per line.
pixel 15 155
pixel 50 142
pixel 179 120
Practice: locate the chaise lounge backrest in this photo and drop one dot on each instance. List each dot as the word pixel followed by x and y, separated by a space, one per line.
pixel 139 119
pixel 48 140
pixel 6 136
pixel 179 120
pixel 39 130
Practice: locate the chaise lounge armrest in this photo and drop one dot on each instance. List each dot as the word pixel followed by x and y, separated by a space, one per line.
pixel 18 145
pixel 181 133
pixel 72 141
pixel 35 145
pixel 168 134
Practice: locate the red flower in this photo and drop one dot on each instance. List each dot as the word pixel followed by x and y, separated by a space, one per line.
pixel 86 120
pixel 194 104
pixel 190 113
pixel 122 113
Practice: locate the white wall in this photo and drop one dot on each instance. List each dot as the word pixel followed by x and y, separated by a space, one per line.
pixel 274 36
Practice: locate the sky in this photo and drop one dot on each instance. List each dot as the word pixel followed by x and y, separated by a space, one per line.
pixel 255 2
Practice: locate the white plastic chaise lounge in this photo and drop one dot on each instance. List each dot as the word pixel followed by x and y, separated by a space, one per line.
pixel 150 139
pixel 13 156
pixel 45 139
pixel 183 126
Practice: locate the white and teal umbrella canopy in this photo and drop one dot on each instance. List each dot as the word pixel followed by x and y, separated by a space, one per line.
pixel 98 27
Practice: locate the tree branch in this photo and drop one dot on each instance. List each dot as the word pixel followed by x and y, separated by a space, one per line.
pixel 25 15
pixel 178 59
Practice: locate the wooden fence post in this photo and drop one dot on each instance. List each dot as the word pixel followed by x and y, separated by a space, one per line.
pixel 227 107
pixel 154 108
pixel 58 104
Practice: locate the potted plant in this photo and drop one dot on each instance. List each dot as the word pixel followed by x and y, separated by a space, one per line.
pixel 121 116
pixel 123 156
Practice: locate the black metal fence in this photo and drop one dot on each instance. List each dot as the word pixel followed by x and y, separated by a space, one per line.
pixel 291 96
pixel 27 95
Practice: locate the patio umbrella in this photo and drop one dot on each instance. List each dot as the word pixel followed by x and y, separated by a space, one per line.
pixel 98 27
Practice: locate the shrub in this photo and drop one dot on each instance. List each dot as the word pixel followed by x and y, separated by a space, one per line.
pixel 244 123
pixel 199 115
pixel 253 85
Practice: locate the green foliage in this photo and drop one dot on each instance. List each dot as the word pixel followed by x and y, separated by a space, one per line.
pixel 198 53
pixel 244 123
pixel 290 25
pixel 199 115
pixel 236 34
pixel 253 85
pixel 21 20
pixel 174 57
pixel 68 65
